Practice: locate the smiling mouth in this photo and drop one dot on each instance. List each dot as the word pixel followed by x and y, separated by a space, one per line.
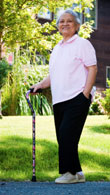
pixel 65 28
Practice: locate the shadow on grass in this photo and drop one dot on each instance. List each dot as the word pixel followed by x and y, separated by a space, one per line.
pixel 98 165
pixel 94 159
pixel 16 160
pixel 105 129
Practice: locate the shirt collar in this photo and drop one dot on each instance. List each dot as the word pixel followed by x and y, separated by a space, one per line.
pixel 69 40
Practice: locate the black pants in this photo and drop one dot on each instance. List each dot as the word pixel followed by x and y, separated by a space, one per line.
pixel 69 118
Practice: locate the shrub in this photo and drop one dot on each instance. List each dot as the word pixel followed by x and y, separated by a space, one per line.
pixel 96 107
pixel 19 81
pixel 106 100
pixel 4 69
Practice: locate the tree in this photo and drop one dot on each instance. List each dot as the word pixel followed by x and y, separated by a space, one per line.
pixel 18 25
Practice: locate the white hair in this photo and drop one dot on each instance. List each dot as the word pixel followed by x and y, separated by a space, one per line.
pixel 69 11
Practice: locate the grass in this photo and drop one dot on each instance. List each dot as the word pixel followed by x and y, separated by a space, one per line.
pixel 16 149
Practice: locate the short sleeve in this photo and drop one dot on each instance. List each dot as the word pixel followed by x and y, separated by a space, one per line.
pixel 88 53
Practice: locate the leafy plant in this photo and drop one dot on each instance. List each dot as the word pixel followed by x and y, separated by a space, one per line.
pixel 18 82
pixel 96 107
pixel 4 69
pixel 106 100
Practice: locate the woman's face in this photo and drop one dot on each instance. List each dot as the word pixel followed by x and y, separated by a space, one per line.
pixel 67 25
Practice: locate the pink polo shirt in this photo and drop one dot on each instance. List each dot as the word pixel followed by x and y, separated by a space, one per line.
pixel 68 67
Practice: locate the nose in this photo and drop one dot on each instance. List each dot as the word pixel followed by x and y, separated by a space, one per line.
pixel 65 23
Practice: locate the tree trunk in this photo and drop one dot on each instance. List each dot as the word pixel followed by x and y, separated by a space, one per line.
pixel 83 17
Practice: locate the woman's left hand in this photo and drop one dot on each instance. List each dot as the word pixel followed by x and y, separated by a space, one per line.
pixel 86 94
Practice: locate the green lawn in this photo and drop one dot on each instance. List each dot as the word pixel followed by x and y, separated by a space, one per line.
pixel 16 148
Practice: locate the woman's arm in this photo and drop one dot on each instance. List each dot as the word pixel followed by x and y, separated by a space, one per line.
pixel 45 83
pixel 92 71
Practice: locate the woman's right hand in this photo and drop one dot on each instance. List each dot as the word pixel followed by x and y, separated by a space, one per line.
pixel 36 87
pixel 45 83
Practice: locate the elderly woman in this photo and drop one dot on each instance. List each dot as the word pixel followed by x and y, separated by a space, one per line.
pixel 71 78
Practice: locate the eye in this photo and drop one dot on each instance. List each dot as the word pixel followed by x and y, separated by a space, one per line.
pixel 61 21
pixel 70 21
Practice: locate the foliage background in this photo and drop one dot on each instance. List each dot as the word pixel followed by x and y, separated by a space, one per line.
pixel 106 100
pixel 19 27
pixel 18 83
pixel 4 69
